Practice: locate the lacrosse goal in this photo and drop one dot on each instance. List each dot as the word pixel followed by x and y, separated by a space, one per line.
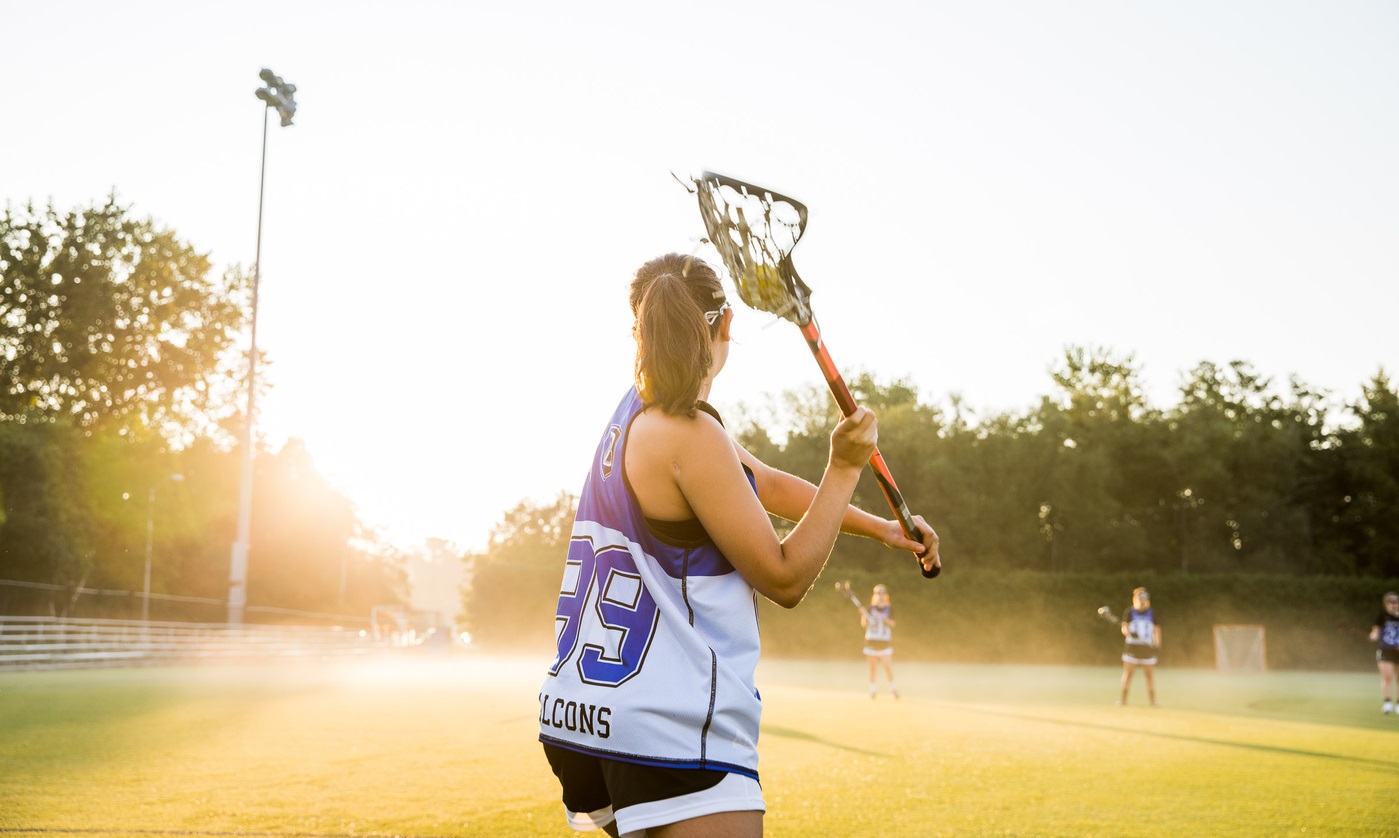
pixel 1240 648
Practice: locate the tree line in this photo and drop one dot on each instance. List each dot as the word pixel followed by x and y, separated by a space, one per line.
pixel 1242 476
pixel 119 412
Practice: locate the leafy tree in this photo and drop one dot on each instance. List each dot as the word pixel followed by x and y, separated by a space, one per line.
pixel 1097 384
pixel 1102 475
pixel 976 492
pixel 45 536
pixel 1246 455
pixel 515 585
pixel 105 318
pixel 1360 519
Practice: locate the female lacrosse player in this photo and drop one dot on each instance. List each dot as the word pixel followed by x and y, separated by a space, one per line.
pixel 878 623
pixel 649 714
pixel 1143 635
pixel 1385 635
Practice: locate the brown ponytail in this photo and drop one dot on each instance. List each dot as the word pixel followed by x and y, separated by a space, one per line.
pixel 669 297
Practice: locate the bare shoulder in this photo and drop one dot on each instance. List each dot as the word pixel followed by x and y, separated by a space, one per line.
pixel 662 451
pixel 655 432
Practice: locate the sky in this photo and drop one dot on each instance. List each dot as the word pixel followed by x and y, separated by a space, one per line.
pixel 451 222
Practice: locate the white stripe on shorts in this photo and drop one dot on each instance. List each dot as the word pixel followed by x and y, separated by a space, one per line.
pixel 588 821
pixel 734 793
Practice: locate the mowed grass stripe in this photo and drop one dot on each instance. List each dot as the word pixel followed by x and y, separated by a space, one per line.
pixel 447 748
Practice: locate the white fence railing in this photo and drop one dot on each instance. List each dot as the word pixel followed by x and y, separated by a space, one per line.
pixel 61 643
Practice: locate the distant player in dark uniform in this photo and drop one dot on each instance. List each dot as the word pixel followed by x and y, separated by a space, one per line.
pixel 1143 633
pixel 878 623
pixel 648 713
pixel 1385 634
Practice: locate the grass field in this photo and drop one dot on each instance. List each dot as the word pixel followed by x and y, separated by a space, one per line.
pixel 447 748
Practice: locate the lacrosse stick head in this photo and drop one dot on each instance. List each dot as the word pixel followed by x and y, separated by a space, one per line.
pixel 754 229
pixel 843 588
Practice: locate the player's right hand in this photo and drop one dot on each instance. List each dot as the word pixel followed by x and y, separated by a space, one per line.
pixel 854 439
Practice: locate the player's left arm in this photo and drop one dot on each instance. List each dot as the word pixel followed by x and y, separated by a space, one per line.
pixel 1155 636
pixel 788 496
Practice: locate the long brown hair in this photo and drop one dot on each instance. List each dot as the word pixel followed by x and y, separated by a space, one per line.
pixel 669 298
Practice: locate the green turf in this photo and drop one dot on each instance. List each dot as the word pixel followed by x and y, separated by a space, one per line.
pixel 447 748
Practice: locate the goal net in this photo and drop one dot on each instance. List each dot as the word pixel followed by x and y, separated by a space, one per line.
pixel 1240 649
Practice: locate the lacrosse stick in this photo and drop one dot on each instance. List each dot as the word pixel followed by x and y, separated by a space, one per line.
pixel 754 229
pixel 1108 617
pixel 843 588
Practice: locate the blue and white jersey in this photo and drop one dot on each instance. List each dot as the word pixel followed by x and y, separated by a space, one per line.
pixel 1139 627
pixel 877 623
pixel 657 637
pixel 1388 624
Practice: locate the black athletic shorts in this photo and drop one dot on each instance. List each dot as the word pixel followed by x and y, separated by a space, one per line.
pixel 591 783
pixel 1387 653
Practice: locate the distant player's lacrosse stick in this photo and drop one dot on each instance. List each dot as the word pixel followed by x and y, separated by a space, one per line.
pixel 1106 615
pixel 843 588
pixel 754 229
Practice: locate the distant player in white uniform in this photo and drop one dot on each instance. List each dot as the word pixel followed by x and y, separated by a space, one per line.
pixel 878 623
pixel 649 713
pixel 1143 633
pixel 1385 635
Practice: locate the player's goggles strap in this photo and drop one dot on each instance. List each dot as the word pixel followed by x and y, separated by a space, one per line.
pixel 711 316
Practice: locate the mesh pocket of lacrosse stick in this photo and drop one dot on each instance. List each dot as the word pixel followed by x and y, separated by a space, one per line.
pixel 754 231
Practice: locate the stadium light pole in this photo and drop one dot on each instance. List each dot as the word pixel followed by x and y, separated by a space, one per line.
pixel 150 543
pixel 282 96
